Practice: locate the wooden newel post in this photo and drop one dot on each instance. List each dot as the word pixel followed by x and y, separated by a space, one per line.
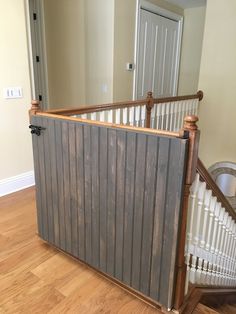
pixel 35 107
pixel 190 126
pixel 149 106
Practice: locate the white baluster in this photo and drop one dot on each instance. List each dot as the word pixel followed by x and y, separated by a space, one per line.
pixel 137 115
pixel 187 262
pixel 162 113
pixel 207 199
pixel 200 196
pixel 199 270
pixel 153 118
pixel 167 116
pixel 131 116
pixel 117 116
pixel 125 116
pixel 158 116
pixel 110 116
pixel 204 273
pixel 192 275
pixel 172 117
pixel 143 115
pixel 191 213
pixel 93 116
pixel 102 116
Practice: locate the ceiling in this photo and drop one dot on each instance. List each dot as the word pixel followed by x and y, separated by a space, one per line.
pixel 185 4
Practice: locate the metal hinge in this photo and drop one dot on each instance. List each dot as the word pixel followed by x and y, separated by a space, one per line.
pixel 37 59
pixel 40 97
pixel 34 16
pixel 36 129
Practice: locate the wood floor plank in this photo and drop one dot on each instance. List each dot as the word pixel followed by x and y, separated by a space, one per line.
pixel 36 278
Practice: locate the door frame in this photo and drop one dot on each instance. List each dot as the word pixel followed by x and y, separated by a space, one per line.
pixel 148 6
pixel 37 77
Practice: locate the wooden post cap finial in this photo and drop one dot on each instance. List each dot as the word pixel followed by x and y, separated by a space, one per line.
pixel 149 95
pixel 200 95
pixel 35 107
pixel 190 123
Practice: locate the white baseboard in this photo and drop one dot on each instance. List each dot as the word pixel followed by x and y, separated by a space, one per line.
pixel 16 183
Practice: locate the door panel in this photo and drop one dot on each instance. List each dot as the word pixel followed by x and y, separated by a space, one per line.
pixel 157 60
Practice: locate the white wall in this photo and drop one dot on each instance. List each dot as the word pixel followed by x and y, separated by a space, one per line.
pixel 218 81
pixel 194 21
pixel 15 138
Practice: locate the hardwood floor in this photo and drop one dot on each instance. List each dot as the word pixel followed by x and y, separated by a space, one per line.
pixel 36 278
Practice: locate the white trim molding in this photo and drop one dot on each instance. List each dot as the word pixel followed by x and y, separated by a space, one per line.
pixel 17 183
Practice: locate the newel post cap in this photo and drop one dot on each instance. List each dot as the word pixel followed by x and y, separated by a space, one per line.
pixel 200 95
pixel 190 123
pixel 35 107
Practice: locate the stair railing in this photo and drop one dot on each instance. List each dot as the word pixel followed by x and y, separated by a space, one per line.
pixel 157 113
pixel 210 250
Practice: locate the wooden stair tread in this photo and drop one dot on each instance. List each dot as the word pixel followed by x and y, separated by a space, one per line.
pixel 224 309
pixel 227 309
pixel 203 309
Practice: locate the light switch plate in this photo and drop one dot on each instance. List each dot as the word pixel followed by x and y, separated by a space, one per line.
pixel 12 92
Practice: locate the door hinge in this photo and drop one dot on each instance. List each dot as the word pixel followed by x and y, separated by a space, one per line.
pixel 40 97
pixel 34 16
pixel 36 129
pixel 37 59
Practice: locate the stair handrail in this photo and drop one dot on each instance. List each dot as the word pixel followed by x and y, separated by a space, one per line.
pixel 149 101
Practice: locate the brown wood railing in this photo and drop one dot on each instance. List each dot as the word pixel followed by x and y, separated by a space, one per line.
pixel 149 101
pixel 198 95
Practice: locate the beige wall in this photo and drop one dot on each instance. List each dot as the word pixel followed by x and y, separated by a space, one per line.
pixel 124 37
pixel 124 44
pixel 99 45
pixel 80 42
pixel 15 139
pixel 194 20
pixel 218 81
pixel 65 46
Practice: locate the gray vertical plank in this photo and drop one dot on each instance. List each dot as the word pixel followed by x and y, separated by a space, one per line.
pixel 138 208
pixel 95 195
pixel 159 211
pixel 35 140
pixel 41 151
pixel 73 191
pixel 129 205
pixel 80 189
pixel 66 181
pixel 48 177
pixel 60 185
pixel 54 191
pixel 149 199
pixel 113 199
pixel 120 201
pixel 171 221
pixel 88 192
pixel 111 202
pixel 103 197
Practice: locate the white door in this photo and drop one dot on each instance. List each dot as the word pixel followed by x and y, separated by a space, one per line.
pixel 157 59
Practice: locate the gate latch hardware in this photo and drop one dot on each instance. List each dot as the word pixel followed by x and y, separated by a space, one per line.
pixel 36 129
